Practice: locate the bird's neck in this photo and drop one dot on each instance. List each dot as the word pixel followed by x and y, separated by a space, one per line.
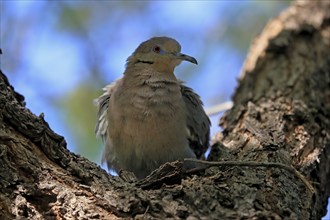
pixel 157 69
pixel 164 67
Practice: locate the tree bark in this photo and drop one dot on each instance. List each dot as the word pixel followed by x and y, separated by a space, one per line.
pixel 276 136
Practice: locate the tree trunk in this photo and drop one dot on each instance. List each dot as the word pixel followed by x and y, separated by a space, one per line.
pixel 276 136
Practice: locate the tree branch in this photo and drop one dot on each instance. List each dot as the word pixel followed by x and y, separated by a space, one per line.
pixel 281 115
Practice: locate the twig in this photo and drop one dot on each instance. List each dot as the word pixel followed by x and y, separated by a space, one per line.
pixel 219 108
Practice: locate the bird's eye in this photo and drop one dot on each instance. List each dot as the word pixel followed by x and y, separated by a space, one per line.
pixel 156 49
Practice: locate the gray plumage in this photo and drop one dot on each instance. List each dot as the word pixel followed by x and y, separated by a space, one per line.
pixel 148 117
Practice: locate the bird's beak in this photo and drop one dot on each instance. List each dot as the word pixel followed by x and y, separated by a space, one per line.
pixel 182 56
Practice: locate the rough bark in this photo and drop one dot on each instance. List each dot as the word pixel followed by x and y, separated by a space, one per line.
pixel 280 119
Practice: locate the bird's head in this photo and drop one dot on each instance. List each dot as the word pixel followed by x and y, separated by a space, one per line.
pixel 163 53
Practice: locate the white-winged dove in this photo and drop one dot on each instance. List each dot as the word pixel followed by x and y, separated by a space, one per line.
pixel 148 117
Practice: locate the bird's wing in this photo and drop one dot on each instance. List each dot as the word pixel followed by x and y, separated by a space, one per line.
pixel 102 103
pixel 198 123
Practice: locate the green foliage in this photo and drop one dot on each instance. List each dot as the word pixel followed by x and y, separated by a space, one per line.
pixel 80 115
